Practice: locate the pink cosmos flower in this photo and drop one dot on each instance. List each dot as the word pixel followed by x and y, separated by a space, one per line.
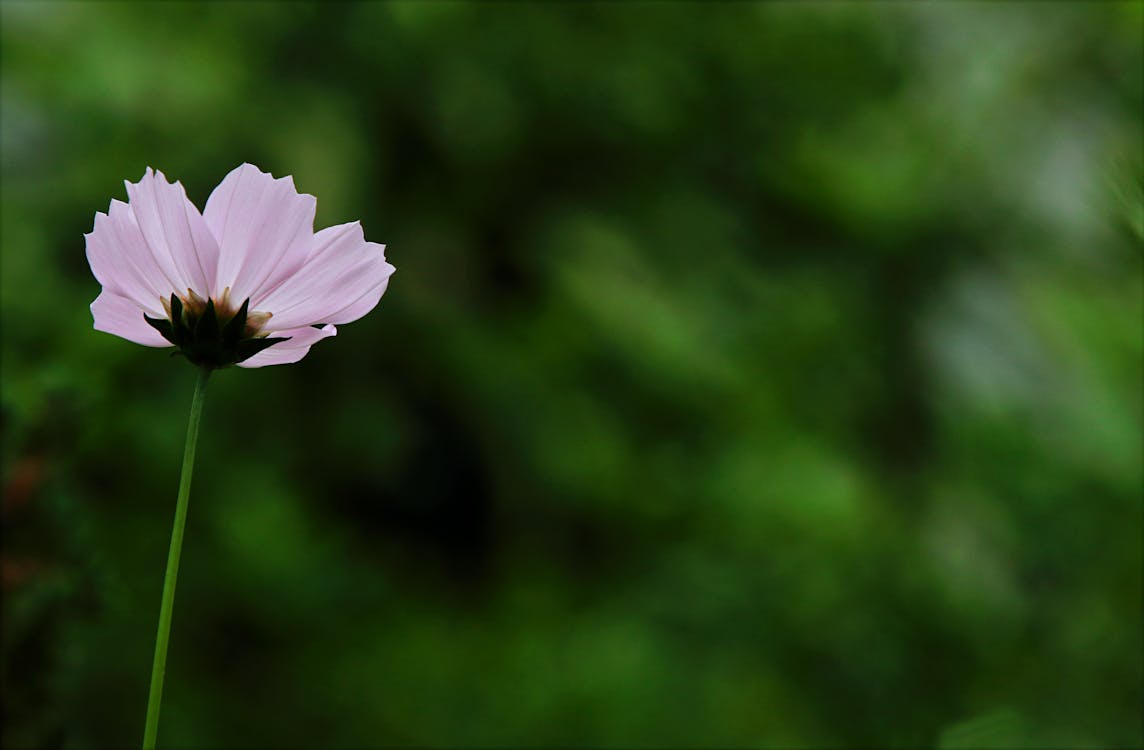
pixel 245 282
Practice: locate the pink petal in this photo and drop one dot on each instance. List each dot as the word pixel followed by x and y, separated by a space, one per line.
pixel 365 302
pixel 287 352
pixel 264 228
pixel 343 279
pixel 122 261
pixel 174 231
pixel 122 317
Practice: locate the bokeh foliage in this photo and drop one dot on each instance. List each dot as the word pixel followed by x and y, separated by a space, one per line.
pixel 753 375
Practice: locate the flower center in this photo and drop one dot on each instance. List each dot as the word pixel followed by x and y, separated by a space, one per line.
pixel 211 333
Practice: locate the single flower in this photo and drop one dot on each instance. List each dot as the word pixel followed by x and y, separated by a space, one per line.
pixel 245 282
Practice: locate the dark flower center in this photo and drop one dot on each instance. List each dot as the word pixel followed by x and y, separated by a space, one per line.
pixel 211 334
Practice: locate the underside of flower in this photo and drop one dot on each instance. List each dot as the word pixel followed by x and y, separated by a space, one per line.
pixel 255 244
pixel 213 334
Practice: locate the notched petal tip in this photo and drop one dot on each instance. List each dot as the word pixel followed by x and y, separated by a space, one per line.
pixel 251 170
pixel 150 176
pixel 148 173
pixel 286 180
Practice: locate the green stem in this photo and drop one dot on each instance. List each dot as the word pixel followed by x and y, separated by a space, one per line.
pixel 159 667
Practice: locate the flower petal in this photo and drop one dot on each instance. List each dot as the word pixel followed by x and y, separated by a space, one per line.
pixel 122 262
pixel 118 315
pixel 264 228
pixel 343 279
pixel 174 231
pixel 287 352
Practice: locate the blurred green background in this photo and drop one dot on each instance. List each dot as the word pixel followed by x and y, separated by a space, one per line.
pixel 753 375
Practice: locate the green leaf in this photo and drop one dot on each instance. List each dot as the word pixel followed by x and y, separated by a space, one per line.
pixel 250 347
pixel 233 330
pixel 163 326
pixel 179 331
pixel 207 327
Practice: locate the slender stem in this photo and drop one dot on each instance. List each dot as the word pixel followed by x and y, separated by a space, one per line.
pixel 159 667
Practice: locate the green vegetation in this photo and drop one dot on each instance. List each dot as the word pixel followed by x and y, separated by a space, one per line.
pixel 753 375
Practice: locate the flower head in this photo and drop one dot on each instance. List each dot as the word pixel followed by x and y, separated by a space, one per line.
pixel 245 282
